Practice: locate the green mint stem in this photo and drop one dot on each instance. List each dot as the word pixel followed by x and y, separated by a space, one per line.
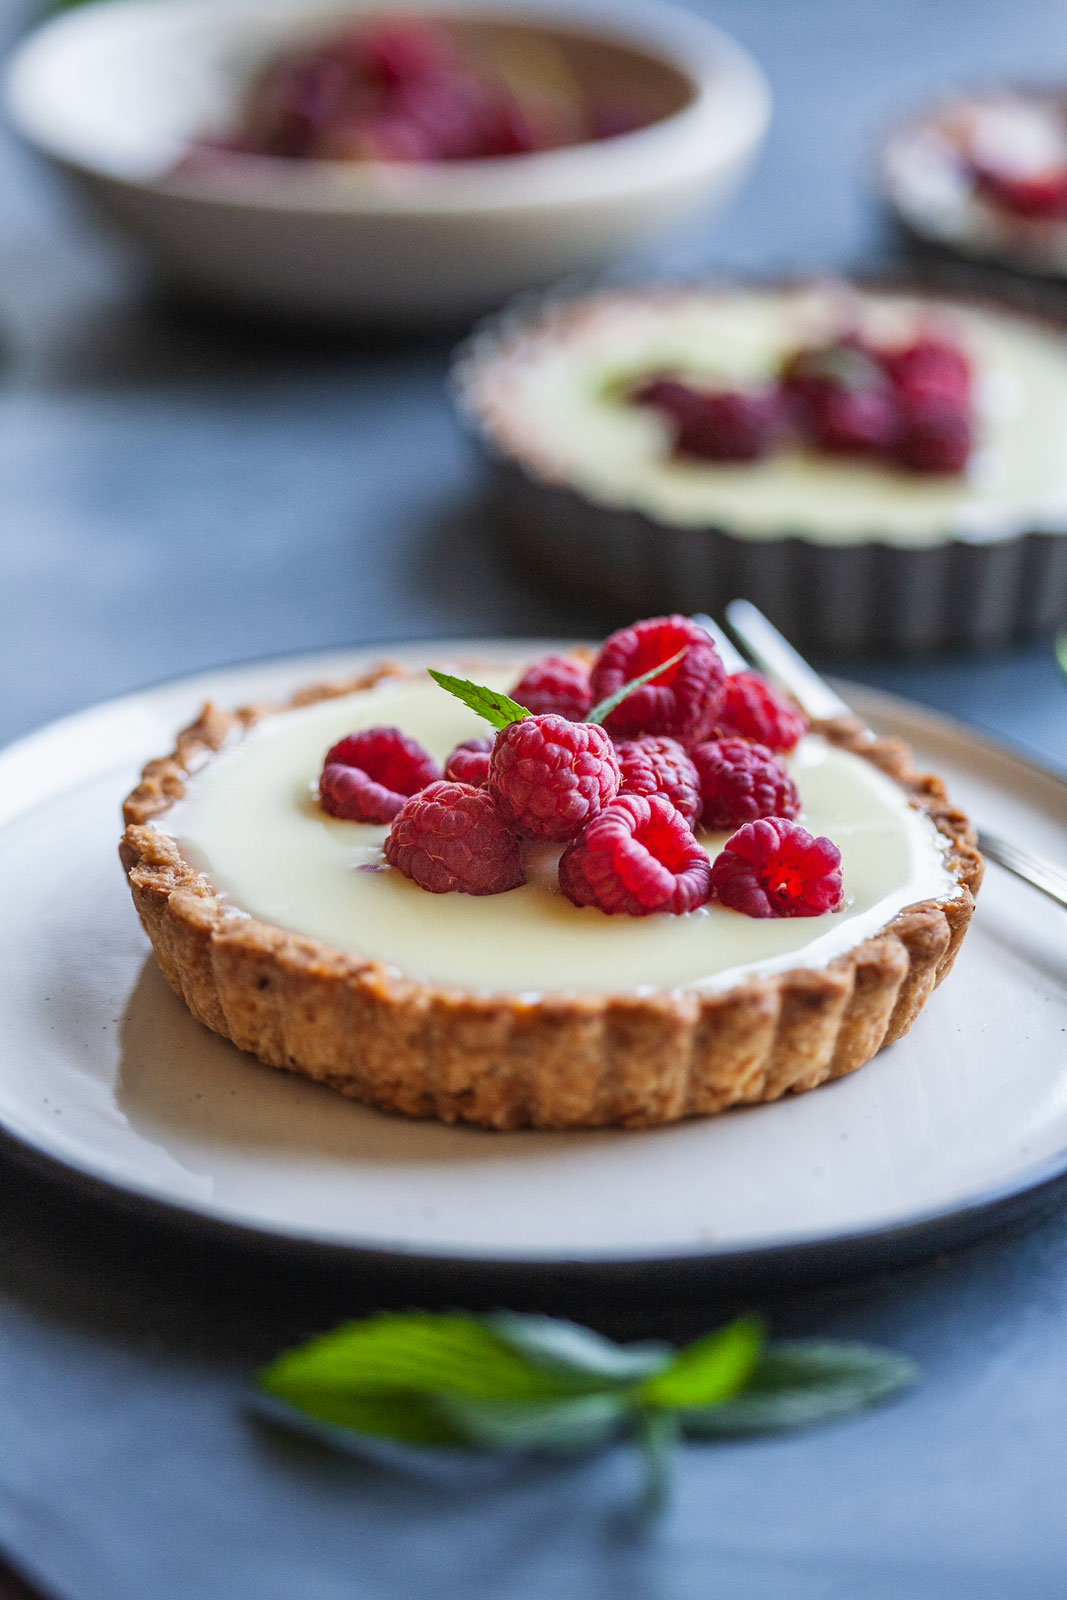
pixel 657 1434
pixel 604 708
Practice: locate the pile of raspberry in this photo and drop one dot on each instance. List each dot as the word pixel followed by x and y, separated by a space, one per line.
pixel 907 406
pixel 402 88
pixel 691 747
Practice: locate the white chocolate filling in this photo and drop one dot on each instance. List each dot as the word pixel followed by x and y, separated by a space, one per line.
pixel 562 395
pixel 251 823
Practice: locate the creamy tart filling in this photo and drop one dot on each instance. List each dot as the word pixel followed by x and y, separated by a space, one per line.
pixel 251 822
pixel 557 393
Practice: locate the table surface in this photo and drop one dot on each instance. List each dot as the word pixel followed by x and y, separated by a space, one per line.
pixel 178 492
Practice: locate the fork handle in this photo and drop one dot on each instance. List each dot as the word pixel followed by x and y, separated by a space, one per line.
pixel 1035 870
pixel 776 658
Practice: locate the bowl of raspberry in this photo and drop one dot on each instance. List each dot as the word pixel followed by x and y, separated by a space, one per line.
pixel 362 165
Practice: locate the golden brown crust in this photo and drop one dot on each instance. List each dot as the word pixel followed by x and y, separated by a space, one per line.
pixel 502 1061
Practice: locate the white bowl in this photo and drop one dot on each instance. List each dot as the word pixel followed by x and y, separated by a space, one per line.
pixel 115 93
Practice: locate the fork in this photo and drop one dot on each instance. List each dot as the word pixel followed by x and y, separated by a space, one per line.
pixel 776 657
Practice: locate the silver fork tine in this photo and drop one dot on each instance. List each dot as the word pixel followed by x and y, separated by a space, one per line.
pixel 776 658
pixel 729 654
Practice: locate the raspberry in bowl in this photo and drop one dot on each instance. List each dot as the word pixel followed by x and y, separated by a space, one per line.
pixel 643 964
pixel 910 495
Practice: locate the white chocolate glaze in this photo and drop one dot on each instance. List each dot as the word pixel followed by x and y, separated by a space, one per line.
pixel 251 823
pixel 562 393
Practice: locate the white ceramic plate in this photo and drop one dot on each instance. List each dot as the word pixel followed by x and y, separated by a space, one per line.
pixel 103 1069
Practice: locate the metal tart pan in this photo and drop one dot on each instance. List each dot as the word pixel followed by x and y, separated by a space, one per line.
pixel 866 597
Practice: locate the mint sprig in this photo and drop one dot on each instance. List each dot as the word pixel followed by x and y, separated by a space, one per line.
pixel 604 708
pixel 508 1382
pixel 501 711
pixel 497 708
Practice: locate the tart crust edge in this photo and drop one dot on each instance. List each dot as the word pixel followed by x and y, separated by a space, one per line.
pixel 503 1061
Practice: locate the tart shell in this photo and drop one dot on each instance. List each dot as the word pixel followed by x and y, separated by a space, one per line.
pixel 508 1061
pixel 870 595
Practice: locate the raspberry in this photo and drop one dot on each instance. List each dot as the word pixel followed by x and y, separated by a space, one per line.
pixel 392 90
pixel 682 702
pixel 550 776
pixel 929 369
pixel 638 856
pixel 754 710
pixel 731 425
pixel 740 782
pixel 668 394
pixel 653 765
pixel 774 868
pixel 367 776
pixel 451 837
pixel 469 762
pixel 717 425
pixel 935 437
pixel 849 422
pixel 559 684
pixel 1037 194
pixel 398 51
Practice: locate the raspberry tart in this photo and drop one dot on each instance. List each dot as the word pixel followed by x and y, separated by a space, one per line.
pixel 555 940
pixel 875 468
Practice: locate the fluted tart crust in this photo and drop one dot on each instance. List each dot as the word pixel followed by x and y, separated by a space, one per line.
pixel 509 1061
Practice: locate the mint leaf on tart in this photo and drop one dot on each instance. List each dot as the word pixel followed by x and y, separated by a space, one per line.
pixel 604 708
pixel 498 709
pixel 509 1383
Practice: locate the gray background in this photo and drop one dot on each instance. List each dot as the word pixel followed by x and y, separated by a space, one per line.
pixel 177 492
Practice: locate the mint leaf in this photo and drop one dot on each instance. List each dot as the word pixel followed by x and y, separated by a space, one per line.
pixel 709 1371
pixel 1061 651
pixel 604 708
pixel 577 1424
pixel 509 1382
pixel 567 1347
pixel 839 364
pixel 413 1354
pixel 498 709
pixel 413 1419
pixel 800 1384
